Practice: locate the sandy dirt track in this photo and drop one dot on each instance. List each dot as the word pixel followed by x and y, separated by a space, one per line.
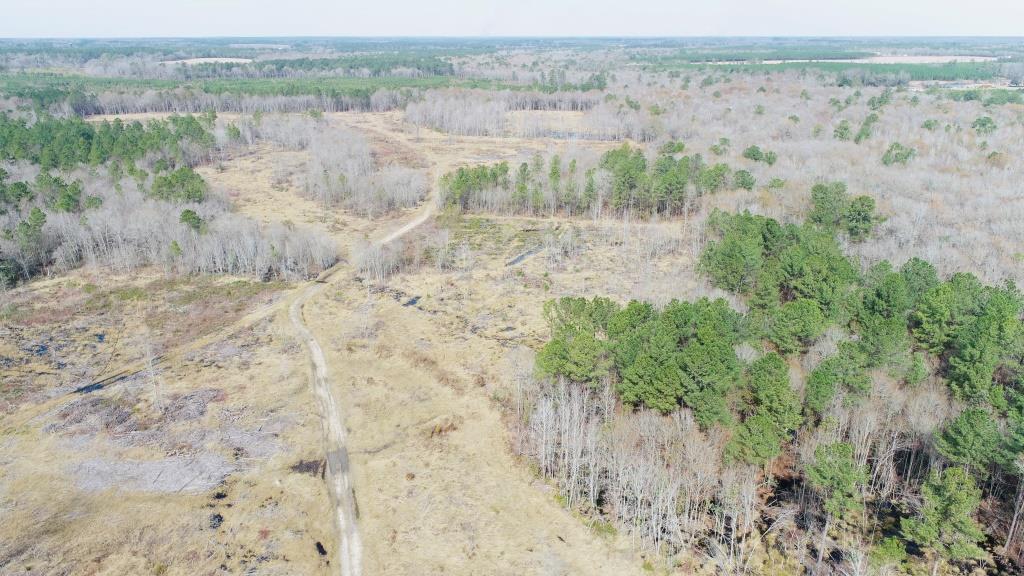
pixel 339 484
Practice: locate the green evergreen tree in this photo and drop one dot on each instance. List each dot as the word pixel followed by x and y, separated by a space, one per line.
pixel 945 526
pixel 773 408
pixel 743 179
pixel 972 440
pixel 860 218
pixel 654 379
pixel 191 219
pixel 829 204
pixel 796 324
pixel 181 185
pixel 843 371
pixel 837 477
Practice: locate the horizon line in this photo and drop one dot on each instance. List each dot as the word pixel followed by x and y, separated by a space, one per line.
pixel 521 37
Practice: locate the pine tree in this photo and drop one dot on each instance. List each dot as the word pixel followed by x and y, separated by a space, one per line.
pixel 945 525
pixel 654 379
pixel 972 440
pixel 837 477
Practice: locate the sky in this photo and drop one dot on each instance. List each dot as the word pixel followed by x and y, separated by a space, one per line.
pixel 151 18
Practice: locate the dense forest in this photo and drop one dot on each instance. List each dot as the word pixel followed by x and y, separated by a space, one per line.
pixel 843 446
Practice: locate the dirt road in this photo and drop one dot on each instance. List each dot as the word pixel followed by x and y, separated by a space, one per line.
pixel 333 425
pixel 541 521
pixel 441 155
pixel 339 482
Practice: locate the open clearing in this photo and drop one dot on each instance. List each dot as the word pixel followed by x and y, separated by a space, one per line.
pixel 878 59
pixel 325 329
pixel 192 61
pixel 423 370
pixel 204 462
pixel 433 472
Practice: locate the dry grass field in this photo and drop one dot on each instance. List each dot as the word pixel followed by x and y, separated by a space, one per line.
pixel 205 457
pixel 205 460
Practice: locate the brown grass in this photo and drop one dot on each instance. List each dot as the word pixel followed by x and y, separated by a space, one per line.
pixel 437 485
pixel 243 400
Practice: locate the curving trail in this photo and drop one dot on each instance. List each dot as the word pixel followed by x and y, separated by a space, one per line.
pixel 443 154
pixel 338 483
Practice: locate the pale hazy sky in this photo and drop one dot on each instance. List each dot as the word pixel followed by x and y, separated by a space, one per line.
pixel 138 18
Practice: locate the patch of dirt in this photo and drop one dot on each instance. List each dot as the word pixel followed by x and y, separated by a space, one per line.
pixel 174 475
pixel 90 415
pixel 192 405
pixel 58 335
pixel 443 427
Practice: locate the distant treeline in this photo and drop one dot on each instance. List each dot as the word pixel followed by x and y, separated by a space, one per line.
pixel 869 74
pixel 790 53
pixel 373 65
pixel 84 95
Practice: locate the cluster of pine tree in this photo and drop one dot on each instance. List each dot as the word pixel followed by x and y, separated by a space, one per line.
pixel 623 180
pixel 61 145
pixel 903 323
pixel 66 143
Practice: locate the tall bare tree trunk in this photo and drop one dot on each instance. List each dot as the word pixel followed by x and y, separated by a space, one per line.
pixel 821 545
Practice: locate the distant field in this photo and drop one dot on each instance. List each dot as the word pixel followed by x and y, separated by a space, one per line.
pixel 948 71
pixel 895 59
pixel 261 46
pixel 34 82
pixel 875 59
pixel 780 54
pixel 190 61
